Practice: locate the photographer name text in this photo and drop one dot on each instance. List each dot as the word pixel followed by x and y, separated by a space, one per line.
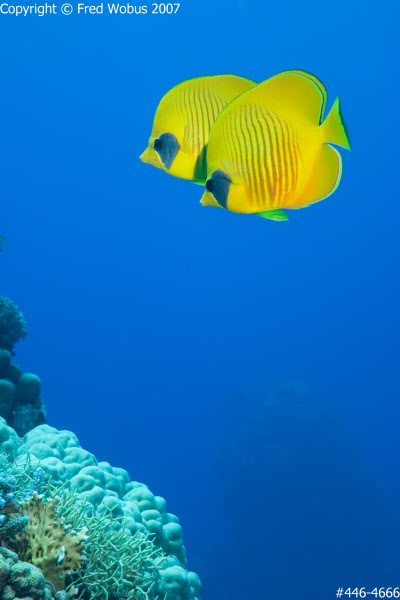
pixel 41 10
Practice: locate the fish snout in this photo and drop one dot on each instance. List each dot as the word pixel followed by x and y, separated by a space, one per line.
pixel 146 156
pixel 208 200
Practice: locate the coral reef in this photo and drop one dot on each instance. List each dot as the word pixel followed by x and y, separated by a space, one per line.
pixel 20 402
pixel 141 542
pixel 106 488
pixel 71 526
pixel 12 324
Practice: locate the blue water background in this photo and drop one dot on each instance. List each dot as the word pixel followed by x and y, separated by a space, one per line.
pixel 148 314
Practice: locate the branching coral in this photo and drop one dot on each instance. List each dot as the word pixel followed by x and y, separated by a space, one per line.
pixel 12 324
pixel 117 565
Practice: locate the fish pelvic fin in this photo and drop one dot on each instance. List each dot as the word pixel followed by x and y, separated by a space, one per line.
pixel 333 129
pixel 274 215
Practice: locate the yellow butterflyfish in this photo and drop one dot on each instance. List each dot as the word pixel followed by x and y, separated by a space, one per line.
pixel 183 121
pixel 270 149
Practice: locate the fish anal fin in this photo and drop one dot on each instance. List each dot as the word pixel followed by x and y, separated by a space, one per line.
pixel 324 177
pixel 274 215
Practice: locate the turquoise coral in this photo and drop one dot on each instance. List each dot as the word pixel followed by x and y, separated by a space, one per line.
pixel 108 491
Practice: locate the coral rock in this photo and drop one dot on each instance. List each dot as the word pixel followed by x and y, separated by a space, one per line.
pixel 20 580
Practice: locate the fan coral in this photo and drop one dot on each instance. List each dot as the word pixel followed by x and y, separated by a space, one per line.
pixel 47 542
pixel 12 324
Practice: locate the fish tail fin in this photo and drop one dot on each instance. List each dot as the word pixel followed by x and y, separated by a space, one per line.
pixel 333 129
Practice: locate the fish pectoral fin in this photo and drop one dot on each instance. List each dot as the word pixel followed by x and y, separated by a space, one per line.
pixel 234 170
pixel 274 215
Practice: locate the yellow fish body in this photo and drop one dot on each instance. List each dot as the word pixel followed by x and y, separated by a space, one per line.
pixel 269 149
pixel 183 121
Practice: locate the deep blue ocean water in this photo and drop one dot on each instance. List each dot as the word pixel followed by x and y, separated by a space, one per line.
pixel 245 370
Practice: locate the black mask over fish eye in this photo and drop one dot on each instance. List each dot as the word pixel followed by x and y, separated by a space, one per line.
pixel 167 147
pixel 219 184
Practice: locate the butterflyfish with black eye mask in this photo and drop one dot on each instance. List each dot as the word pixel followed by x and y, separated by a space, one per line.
pixel 183 121
pixel 270 149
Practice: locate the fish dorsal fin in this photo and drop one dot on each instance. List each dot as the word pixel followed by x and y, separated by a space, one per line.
pixel 293 94
pixel 318 85
pixel 274 215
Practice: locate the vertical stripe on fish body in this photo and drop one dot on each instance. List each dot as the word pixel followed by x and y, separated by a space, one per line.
pixel 272 151
pixel 264 152
pixel 183 122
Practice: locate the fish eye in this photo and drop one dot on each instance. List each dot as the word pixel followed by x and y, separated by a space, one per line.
pixel 167 147
pixel 158 144
pixel 219 184
pixel 210 185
